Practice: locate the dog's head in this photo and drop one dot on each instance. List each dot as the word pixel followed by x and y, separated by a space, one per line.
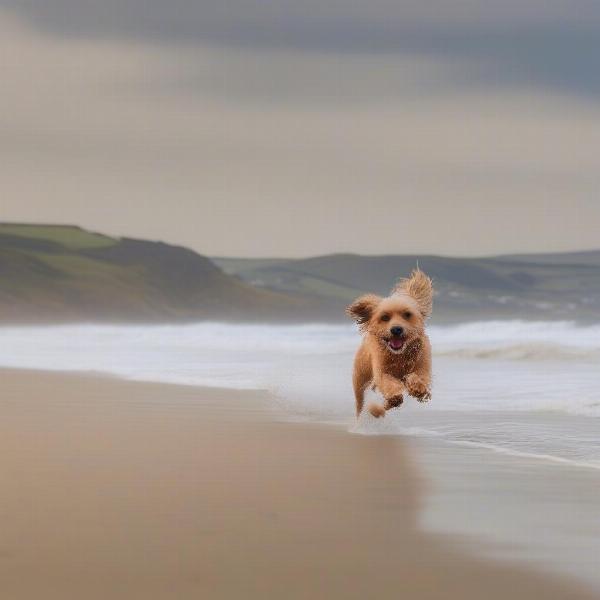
pixel 399 319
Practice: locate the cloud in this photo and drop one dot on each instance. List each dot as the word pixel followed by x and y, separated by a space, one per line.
pixel 255 152
pixel 552 44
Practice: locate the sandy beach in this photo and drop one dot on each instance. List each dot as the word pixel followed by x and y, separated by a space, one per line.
pixel 116 489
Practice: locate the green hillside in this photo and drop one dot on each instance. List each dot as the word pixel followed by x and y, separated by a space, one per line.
pixel 563 286
pixel 68 236
pixel 64 273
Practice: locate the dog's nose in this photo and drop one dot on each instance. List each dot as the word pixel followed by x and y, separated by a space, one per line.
pixel 396 330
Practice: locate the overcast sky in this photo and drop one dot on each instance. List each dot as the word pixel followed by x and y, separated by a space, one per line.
pixel 300 127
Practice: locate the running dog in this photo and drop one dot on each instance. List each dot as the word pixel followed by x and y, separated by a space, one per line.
pixel 395 354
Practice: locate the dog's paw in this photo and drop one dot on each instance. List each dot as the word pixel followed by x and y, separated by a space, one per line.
pixel 393 402
pixel 426 397
pixel 377 410
pixel 417 388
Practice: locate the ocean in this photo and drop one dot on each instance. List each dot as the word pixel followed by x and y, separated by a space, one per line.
pixel 516 387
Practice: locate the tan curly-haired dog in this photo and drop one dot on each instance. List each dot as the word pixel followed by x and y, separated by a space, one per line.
pixel 395 354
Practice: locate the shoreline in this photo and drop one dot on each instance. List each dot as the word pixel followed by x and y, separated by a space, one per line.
pixel 127 489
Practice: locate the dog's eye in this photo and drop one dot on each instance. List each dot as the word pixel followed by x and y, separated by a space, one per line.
pixel 407 314
pixel 385 317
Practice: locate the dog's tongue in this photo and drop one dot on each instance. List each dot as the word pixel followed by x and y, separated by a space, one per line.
pixel 396 344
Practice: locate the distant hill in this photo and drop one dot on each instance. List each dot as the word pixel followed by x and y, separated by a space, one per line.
pixel 537 286
pixel 591 257
pixel 64 273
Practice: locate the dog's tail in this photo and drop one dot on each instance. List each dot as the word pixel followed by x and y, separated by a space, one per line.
pixel 420 287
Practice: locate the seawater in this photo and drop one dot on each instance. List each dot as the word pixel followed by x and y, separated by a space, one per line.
pixel 516 387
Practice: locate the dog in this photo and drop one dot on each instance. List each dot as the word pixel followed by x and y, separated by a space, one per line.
pixel 395 355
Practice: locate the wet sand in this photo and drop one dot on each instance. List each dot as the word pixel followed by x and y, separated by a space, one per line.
pixel 114 489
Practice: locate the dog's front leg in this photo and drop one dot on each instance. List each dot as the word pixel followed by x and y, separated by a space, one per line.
pixel 392 389
pixel 418 382
pixel 419 386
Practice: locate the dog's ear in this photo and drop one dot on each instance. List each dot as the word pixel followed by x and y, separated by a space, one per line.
pixel 362 308
pixel 419 287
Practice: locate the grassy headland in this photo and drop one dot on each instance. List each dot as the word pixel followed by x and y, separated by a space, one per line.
pixel 65 273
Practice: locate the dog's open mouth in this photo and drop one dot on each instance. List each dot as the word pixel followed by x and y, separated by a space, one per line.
pixel 395 344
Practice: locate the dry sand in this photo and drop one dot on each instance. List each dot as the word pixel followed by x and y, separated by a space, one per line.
pixel 114 490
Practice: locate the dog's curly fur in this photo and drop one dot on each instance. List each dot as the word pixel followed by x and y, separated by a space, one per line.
pixel 395 354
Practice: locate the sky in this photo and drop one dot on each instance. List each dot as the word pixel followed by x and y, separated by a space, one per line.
pixel 303 127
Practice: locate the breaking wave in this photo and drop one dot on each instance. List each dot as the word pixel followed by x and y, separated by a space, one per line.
pixel 518 340
pixel 525 352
